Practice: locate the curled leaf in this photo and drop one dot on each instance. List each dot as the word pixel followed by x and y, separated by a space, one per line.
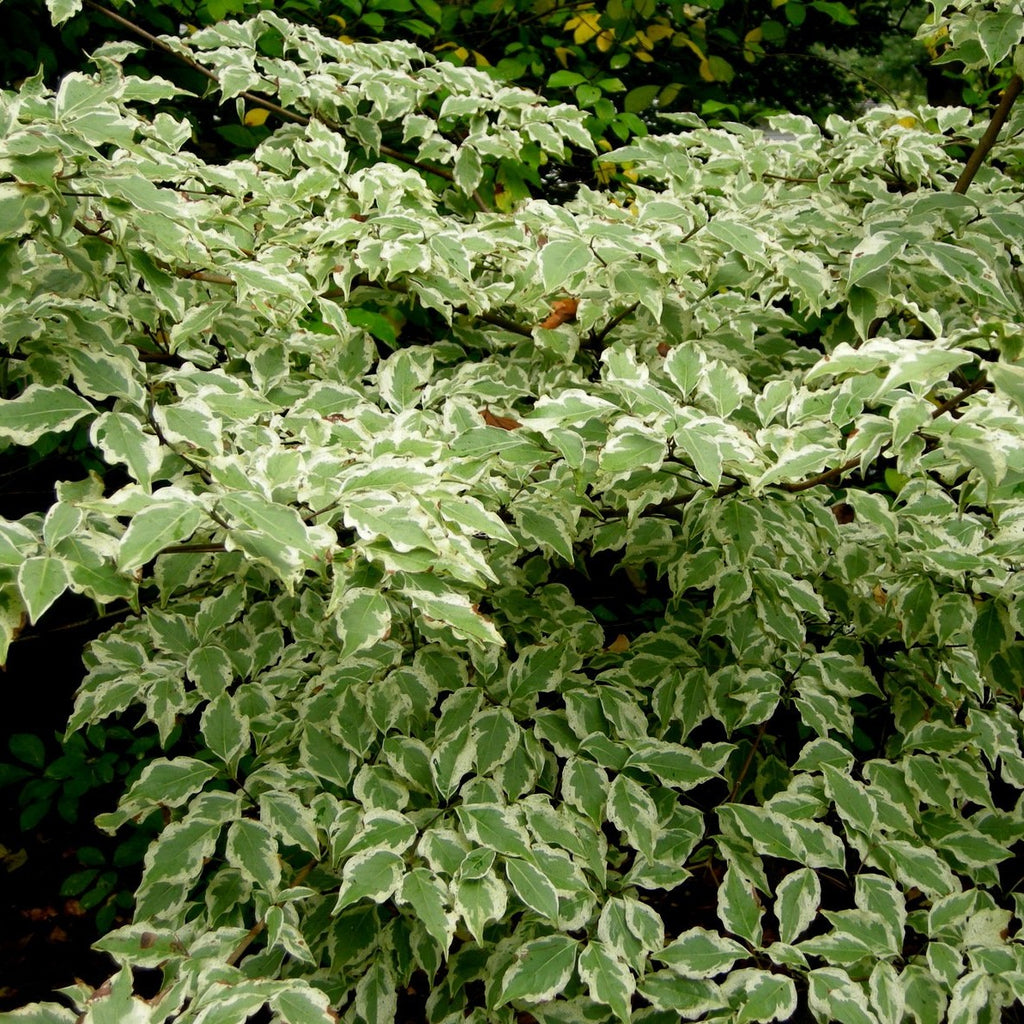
pixel 562 311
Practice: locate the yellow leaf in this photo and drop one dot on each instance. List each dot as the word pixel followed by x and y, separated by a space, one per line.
pixel 682 39
pixel 716 69
pixel 643 39
pixel 563 53
pixel 254 118
pixel 480 60
pixel 605 40
pixel 667 95
pixel 907 122
pixel 619 645
pixel 342 23
pixel 644 56
pixel 658 31
pixel 583 27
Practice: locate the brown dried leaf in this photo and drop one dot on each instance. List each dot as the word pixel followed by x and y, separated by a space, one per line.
pixel 502 422
pixel 619 645
pixel 562 311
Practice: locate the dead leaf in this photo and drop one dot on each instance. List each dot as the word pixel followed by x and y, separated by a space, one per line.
pixel 562 311
pixel 843 512
pixel 619 645
pixel 502 422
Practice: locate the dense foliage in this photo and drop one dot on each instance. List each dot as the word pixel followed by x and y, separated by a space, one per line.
pixel 607 610
pixel 620 60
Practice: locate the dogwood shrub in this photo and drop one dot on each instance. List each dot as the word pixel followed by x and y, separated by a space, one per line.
pixel 586 612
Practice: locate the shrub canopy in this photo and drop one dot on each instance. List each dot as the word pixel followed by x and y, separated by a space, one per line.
pixel 608 610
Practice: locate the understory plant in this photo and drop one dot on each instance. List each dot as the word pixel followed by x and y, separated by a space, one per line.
pixel 593 612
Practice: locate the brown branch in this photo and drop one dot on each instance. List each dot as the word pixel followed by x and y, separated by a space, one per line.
pixel 823 478
pixel 979 384
pixel 499 321
pixel 988 140
pixel 598 338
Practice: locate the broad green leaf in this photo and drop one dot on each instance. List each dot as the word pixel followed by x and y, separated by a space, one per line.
pixel 41 581
pixel 252 849
pixel 38 411
pixel 327 756
pixel 585 787
pixel 737 237
pixel 739 907
pixel 917 865
pixel 531 885
pixel 437 601
pixel 266 523
pixel 363 617
pixel 561 259
pixel 166 783
pixel 480 900
pixel 429 899
pixel 301 1003
pixel 797 898
pixel 225 730
pixel 673 765
pixel 629 451
pixel 854 802
pixel 284 813
pixel 209 667
pixel 549 527
pixel 768 997
pixel 495 735
pixel 700 953
pixel 872 254
pixel 494 827
pixel 607 978
pixel 122 439
pixel 159 525
pixel 633 812
pixel 372 874
pixel 541 970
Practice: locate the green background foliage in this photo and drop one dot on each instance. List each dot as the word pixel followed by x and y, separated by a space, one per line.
pixel 606 609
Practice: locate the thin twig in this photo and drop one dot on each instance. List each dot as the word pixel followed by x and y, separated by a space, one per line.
pixel 988 140
pixel 746 764
pixel 598 338
pixel 979 384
